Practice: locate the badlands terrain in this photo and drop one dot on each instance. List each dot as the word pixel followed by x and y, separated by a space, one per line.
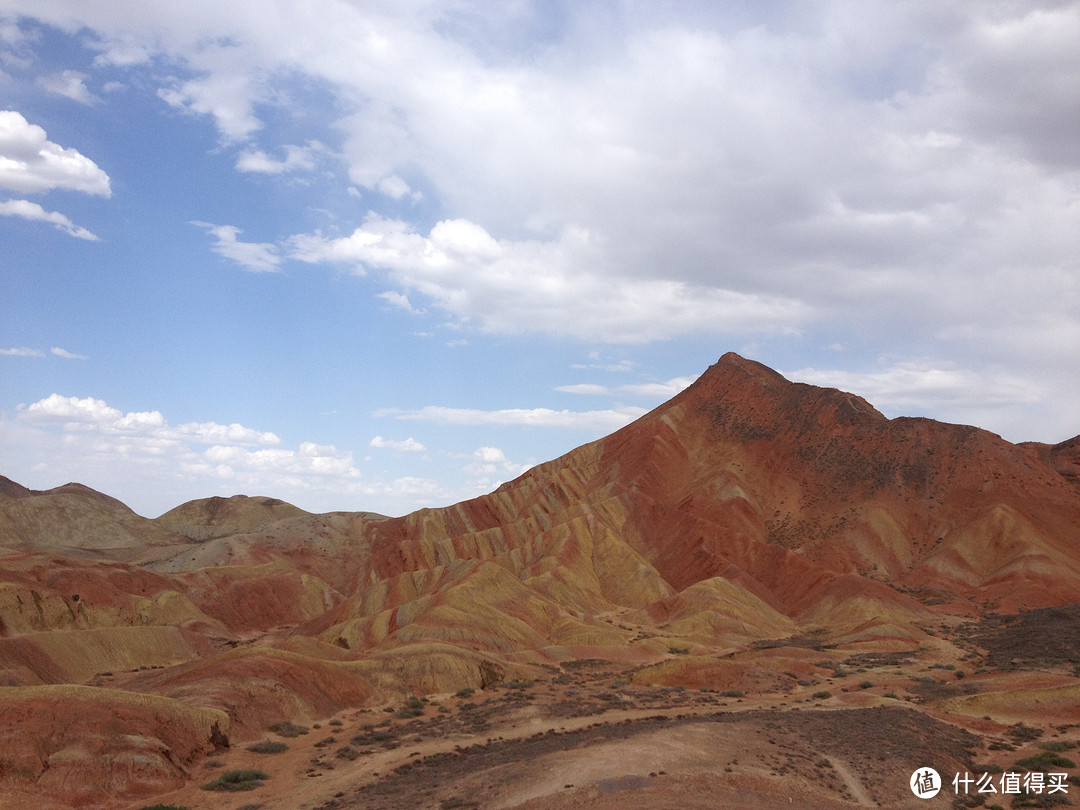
pixel 760 594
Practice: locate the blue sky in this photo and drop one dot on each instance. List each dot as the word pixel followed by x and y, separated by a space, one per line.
pixel 384 256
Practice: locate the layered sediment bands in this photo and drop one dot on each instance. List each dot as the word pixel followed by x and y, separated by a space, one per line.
pixel 88 745
pixel 729 540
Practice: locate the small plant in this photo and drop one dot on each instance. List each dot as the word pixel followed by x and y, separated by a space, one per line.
pixel 288 730
pixel 866 685
pixel 733 693
pixel 679 650
pixel 336 722
pixel 1057 746
pixel 464 693
pixel 163 807
pixel 268 747
pixel 822 695
pixel 892 695
pixel 1022 733
pixel 1044 762
pixel 234 781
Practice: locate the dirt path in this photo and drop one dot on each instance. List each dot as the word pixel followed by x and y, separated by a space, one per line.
pixel 854 784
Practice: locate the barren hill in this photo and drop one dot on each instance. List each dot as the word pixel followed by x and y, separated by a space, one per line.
pixel 752 536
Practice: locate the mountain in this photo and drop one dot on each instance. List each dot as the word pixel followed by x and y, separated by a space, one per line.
pixel 748 537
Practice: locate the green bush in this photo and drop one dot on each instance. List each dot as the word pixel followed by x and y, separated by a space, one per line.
pixel 268 747
pixel 234 781
pixel 1044 762
pixel 821 695
pixel 288 730
pixel 464 693
pixel 1058 746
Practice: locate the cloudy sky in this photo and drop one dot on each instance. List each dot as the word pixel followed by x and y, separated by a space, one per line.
pixel 378 256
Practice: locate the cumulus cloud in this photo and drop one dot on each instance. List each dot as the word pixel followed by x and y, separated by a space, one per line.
pixel 597 421
pixel 409 445
pixel 152 464
pixel 30 163
pixel 488 467
pixel 35 213
pixel 257 257
pixel 89 414
pixel 296 158
pixel 71 84
pixel 876 174
pixel 552 286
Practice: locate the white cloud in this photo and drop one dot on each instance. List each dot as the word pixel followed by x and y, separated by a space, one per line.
pixel 920 384
pixel 488 467
pixel 584 388
pixel 22 352
pixel 58 352
pixel 409 445
pixel 664 390
pixel 542 286
pixel 296 158
pixel 876 174
pixel 257 257
pixel 71 84
pixel 153 465
pixel 602 421
pixel 982 397
pixel 35 213
pixel 89 414
pixel 31 163
pixel 399 300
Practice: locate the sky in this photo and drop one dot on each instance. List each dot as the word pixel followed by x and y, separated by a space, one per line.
pixel 384 256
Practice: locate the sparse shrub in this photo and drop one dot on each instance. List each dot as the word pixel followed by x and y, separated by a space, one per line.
pixel 804 682
pixel 823 695
pixel 866 685
pixel 1023 733
pixel 347 752
pixel 268 747
pixel 1058 746
pixel 679 650
pixel 234 781
pixel 213 763
pixel 892 695
pixel 336 722
pixel 444 710
pixel 288 730
pixel 464 693
pixel 164 807
pixel 1044 761
pixel 733 693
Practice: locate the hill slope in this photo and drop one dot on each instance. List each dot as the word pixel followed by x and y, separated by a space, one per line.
pixel 746 535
